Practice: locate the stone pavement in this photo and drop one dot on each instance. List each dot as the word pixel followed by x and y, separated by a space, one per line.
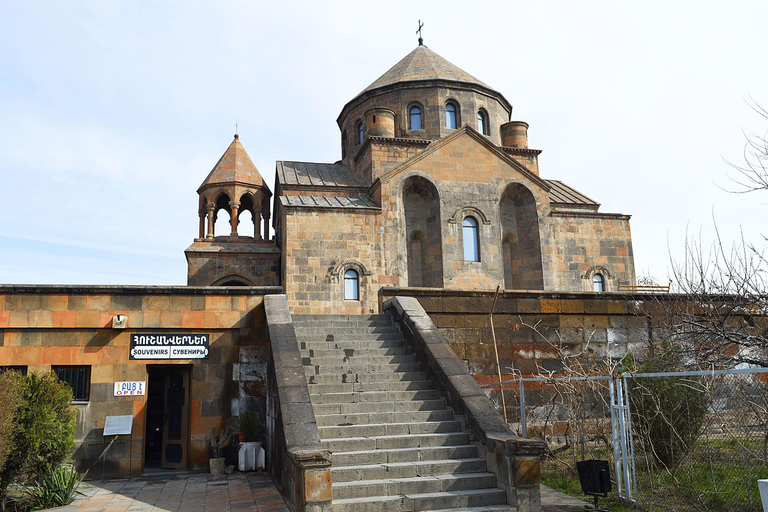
pixel 190 493
pixel 206 493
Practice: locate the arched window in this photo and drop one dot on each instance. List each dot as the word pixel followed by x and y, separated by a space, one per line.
pixel 414 118
pixel 359 131
pixel 471 239
pixel 598 283
pixel 482 122
pixel 351 285
pixel 451 115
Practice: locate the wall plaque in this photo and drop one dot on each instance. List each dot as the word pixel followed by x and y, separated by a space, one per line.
pixel 118 425
pixel 169 346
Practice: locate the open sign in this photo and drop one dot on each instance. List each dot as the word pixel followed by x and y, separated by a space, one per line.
pixel 132 388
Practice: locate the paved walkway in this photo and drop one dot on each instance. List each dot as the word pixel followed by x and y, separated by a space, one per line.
pixel 206 493
pixel 192 493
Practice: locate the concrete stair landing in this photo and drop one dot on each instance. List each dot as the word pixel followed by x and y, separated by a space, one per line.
pixel 395 443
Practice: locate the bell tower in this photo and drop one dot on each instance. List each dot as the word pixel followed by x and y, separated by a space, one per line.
pixel 241 255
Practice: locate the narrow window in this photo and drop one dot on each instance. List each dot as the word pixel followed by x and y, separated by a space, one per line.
pixel 359 132
pixel 344 144
pixel 351 285
pixel 451 116
pixel 482 122
pixel 471 240
pixel 78 378
pixel 598 284
pixel 414 114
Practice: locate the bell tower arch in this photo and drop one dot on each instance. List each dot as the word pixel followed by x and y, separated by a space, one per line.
pixel 239 254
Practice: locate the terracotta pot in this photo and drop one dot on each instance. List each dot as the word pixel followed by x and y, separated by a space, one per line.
pixel 218 466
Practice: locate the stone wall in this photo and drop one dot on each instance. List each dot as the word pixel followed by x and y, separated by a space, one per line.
pixel 42 326
pixel 213 262
pixel 584 243
pixel 533 329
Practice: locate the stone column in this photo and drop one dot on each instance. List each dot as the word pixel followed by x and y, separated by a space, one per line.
pixel 210 208
pixel 201 213
pixel 266 225
pixel 234 208
pixel 256 222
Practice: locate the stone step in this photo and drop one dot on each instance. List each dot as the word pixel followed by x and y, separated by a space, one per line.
pixel 355 407
pixel 401 385
pixel 422 501
pixel 408 469
pixel 345 329
pixel 341 353
pixel 487 508
pixel 355 368
pixel 341 318
pixel 343 357
pixel 301 337
pixel 361 360
pixel 394 442
pixel 419 484
pixel 346 378
pixel 390 429
pixel 403 455
pixel 333 420
pixel 354 345
pixel 374 396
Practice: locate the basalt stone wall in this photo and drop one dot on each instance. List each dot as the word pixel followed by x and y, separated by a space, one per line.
pixel 533 329
pixel 45 326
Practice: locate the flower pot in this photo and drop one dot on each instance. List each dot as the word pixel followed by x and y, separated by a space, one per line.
pixel 247 456
pixel 218 466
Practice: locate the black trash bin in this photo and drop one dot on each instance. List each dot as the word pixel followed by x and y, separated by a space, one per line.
pixel 595 478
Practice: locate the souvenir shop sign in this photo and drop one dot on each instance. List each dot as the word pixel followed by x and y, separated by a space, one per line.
pixel 169 346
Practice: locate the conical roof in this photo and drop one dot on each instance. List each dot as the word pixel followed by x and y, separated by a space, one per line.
pixel 423 64
pixel 234 166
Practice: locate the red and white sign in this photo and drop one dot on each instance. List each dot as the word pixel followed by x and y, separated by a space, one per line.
pixel 135 388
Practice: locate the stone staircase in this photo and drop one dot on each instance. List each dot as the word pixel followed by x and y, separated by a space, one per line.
pixel 396 445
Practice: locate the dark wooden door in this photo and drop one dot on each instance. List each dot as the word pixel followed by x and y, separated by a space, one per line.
pixel 175 418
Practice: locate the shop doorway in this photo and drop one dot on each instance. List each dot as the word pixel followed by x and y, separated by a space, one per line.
pixel 167 437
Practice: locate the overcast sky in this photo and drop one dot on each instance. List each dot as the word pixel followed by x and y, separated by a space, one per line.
pixel 113 112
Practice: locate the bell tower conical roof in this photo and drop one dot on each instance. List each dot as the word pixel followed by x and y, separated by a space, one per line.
pixel 234 167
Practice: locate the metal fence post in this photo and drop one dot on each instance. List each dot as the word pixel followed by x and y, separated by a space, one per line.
pixel 523 429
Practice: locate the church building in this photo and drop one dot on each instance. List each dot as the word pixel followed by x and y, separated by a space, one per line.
pixel 436 187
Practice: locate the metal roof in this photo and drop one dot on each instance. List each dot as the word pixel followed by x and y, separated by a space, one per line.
pixel 317 174
pixel 562 193
pixel 329 202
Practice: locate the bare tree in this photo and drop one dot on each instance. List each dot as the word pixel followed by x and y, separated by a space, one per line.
pixel 719 313
pixel 752 175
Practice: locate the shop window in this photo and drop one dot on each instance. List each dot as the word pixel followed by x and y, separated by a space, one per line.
pixel 351 285
pixel 13 368
pixel 78 378
pixel 471 239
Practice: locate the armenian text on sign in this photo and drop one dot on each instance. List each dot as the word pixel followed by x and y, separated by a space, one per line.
pixel 169 346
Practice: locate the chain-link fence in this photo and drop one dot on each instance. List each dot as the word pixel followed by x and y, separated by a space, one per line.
pixel 691 441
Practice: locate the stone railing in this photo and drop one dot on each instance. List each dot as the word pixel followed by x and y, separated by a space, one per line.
pixel 514 460
pixel 297 462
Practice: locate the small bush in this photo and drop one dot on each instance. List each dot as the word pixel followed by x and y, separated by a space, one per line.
pixel 44 429
pixel 55 489
pixel 10 398
pixel 667 411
